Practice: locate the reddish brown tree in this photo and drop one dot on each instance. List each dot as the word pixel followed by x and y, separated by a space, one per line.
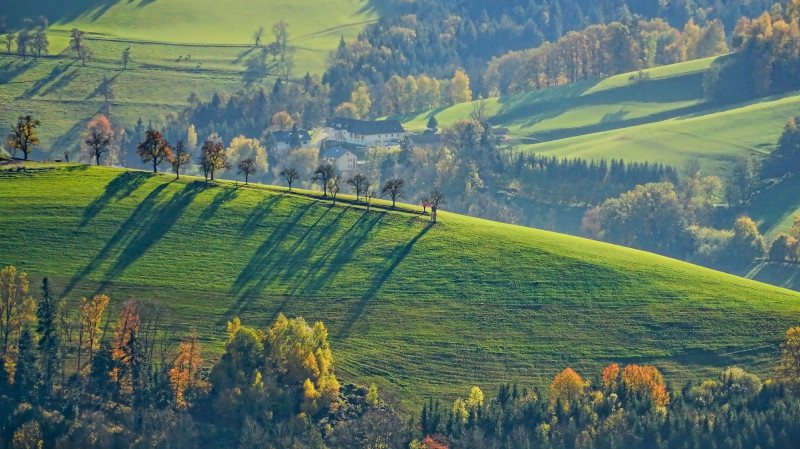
pixel 155 149
pixel 98 137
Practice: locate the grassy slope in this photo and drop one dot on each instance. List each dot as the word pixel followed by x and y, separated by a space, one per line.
pixel 659 120
pixel 315 27
pixel 61 93
pixel 418 310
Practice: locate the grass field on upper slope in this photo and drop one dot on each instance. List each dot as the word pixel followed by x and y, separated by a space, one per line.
pixel 661 119
pixel 315 26
pixel 420 310
pixel 177 46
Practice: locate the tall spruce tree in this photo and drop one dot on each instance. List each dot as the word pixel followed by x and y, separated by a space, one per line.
pixel 49 337
pixel 26 375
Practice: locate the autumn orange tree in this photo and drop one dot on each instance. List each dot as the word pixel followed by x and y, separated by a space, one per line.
pixel 16 309
pixel 185 373
pixel 98 137
pixel 646 381
pixel 611 376
pixel 123 349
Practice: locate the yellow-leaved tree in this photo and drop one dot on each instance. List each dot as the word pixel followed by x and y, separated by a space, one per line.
pixel 286 371
pixel 89 331
pixel 567 386
pixel 789 369
pixel 16 309
pixel 459 88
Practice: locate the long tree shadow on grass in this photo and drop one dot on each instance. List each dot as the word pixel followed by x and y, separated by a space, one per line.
pixel 335 257
pixel 259 214
pixel 288 258
pixel 119 188
pixel 262 259
pixel 138 233
pixel 225 194
pixel 382 275
pixel 57 71
pixel 150 229
pixel 266 267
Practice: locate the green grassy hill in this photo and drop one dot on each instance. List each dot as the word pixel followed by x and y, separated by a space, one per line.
pixel 661 119
pixel 315 27
pixel 419 310
pixel 177 46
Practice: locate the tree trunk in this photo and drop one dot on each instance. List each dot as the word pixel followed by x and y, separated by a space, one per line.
pixel 97 158
pixel 25 152
pixel 155 166
pixel 246 177
pixel 392 202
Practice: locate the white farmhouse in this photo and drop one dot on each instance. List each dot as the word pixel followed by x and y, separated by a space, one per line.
pixel 341 159
pixel 364 132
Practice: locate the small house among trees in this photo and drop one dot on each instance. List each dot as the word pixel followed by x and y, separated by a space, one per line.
pixel 341 159
pixel 365 132
pixel 283 139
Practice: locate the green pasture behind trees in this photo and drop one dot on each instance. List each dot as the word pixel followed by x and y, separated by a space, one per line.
pixel 662 119
pixel 421 311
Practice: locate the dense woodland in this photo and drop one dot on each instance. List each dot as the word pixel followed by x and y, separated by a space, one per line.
pixel 76 373
pixel 436 38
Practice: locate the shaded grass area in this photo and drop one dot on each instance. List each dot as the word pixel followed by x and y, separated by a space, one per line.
pixel 419 310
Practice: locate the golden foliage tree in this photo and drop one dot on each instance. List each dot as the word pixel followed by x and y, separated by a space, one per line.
pixel 362 100
pixel 27 436
pixel 459 88
pixel 89 331
pixel 789 369
pixel 16 309
pixel 242 148
pixel 567 386
pixel 282 121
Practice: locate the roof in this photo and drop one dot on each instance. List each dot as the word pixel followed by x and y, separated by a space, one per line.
pixel 334 153
pixel 426 138
pixel 366 127
pixel 286 136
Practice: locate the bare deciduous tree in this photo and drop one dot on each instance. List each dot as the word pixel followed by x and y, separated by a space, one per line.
pixel 357 181
pixel 323 173
pixel 436 199
pixel 393 188
pixel 290 175
pixel 247 167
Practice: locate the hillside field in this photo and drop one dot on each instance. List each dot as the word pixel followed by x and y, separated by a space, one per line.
pixel 662 119
pixel 203 47
pixel 419 310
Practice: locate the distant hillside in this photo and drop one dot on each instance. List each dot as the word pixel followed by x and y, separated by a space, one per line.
pixel 662 118
pixel 420 310
pixel 178 47
pixel 314 30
